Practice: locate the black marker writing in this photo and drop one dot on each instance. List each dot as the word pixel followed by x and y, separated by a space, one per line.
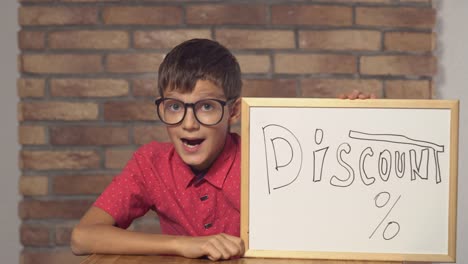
pixel 280 142
pixel 362 159
pixel 274 150
pixel 385 162
pixel 335 181
pixel 416 168
pixel 284 158
pixel 319 156
pixel 399 164
pixel 381 200
pixel 420 168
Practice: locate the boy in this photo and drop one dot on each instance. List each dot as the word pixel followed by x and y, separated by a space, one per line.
pixel 193 183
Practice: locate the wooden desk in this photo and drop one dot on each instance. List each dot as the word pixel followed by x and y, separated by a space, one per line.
pixel 125 259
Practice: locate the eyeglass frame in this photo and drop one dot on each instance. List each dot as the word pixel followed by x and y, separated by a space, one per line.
pixel 158 101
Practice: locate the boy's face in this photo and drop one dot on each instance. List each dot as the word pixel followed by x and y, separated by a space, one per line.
pixel 199 145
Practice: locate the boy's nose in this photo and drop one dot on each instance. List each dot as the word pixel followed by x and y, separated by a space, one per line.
pixel 190 122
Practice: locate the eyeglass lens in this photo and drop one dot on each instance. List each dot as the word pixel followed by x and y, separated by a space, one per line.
pixel 207 112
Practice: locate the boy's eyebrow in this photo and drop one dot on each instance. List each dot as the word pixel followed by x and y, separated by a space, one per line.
pixel 212 94
pixel 202 95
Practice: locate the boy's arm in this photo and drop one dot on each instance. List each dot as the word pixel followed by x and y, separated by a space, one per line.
pixel 96 233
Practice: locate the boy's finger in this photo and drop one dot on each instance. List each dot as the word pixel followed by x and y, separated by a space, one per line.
pixel 234 247
pixel 227 247
pixel 224 246
pixel 242 252
pixel 236 241
pixel 212 252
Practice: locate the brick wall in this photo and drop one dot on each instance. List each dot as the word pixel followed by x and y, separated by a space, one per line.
pixel 88 70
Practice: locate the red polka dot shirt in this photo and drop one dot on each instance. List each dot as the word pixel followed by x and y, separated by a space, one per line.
pixel 157 178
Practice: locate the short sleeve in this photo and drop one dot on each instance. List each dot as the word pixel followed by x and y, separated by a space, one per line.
pixel 126 199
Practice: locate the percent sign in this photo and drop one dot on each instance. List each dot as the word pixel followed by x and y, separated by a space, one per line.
pixel 381 200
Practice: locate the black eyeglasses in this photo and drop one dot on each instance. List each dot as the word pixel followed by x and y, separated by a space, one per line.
pixel 208 112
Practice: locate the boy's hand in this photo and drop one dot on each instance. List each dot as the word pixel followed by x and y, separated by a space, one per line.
pixel 356 94
pixel 216 247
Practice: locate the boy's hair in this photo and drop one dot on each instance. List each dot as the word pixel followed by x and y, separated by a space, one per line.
pixel 200 59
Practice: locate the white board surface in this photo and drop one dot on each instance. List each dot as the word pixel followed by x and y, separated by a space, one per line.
pixel 349 179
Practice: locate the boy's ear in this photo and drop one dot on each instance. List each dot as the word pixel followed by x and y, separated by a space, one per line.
pixel 235 111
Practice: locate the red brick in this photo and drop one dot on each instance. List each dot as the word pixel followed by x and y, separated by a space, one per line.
pixel 340 40
pixel 314 63
pixel 416 1
pixel 56 160
pixel 90 1
pixel 146 134
pixel 66 209
pixel 398 65
pixel 31 40
pixel 43 15
pixel 31 135
pixel 167 39
pixel 408 89
pixel 34 185
pixel 254 63
pixel 55 256
pixel 31 87
pixel 311 15
pixel 218 14
pixel 89 87
pixel 409 41
pixel 89 135
pixel 134 63
pixel 145 87
pixel 269 88
pixel 34 235
pixel 396 17
pixel 89 39
pixel 190 1
pixel 63 234
pixel 130 111
pixel 80 184
pixel 60 63
pixel 332 88
pixel 118 158
pixel 363 1
pixel 256 39
pixel 69 111
pixel 35 1
pixel 142 15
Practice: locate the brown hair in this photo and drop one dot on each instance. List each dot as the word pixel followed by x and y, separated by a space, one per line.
pixel 200 59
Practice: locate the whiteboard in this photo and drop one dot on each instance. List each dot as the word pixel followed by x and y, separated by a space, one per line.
pixel 349 179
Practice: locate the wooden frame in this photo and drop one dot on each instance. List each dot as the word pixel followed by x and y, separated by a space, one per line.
pixel 453 105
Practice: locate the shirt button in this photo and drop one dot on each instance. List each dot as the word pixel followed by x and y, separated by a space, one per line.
pixel 208 225
pixel 204 198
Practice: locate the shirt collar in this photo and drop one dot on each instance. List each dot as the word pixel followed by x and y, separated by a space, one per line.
pixel 217 173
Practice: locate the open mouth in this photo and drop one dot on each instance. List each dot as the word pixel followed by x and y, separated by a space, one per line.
pixel 192 143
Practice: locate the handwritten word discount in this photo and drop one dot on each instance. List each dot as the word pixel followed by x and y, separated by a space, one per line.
pixel 285 158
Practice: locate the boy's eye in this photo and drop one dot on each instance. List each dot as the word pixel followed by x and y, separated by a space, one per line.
pixel 174 106
pixel 207 107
